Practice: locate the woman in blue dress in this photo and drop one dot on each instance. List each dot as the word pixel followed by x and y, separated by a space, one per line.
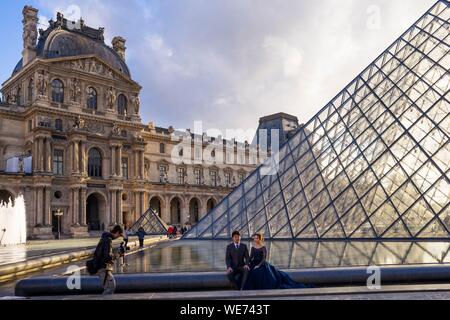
pixel 263 275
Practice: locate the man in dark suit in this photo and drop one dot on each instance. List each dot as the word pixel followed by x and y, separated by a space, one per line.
pixel 237 259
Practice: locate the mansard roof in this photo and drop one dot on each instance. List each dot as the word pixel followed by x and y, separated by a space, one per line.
pixel 65 38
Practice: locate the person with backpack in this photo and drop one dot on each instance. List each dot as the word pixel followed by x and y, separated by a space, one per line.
pixel 103 262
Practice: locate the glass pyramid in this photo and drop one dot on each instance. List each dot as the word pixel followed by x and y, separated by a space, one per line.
pixel 372 164
pixel 152 224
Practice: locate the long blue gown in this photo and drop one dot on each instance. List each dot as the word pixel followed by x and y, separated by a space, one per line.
pixel 266 276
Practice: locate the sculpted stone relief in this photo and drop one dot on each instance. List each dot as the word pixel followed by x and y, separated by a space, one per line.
pixel 89 65
pixel 89 126
pixel 115 131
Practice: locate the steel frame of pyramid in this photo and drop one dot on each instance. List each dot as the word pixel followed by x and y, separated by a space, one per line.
pixel 151 222
pixel 372 164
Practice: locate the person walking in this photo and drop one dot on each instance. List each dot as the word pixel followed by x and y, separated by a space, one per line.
pixel 141 235
pixel 104 259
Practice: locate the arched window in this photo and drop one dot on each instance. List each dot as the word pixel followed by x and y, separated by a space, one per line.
pixel 59 125
pixel 91 99
pixel 30 90
pixel 95 163
pixel 122 105
pixel 57 91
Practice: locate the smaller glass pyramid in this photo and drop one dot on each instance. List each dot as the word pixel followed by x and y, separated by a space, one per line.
pixel 152 224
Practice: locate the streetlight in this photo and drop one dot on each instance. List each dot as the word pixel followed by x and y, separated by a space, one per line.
pixel 59 214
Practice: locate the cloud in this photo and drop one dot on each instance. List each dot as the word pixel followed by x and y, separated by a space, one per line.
pixel 229 62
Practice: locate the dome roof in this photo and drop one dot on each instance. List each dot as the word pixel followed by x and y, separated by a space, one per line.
pixel 57 41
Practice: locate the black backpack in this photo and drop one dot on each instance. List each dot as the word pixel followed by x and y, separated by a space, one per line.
pixel 91 267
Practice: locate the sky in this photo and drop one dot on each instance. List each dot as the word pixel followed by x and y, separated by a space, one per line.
pixel 229 62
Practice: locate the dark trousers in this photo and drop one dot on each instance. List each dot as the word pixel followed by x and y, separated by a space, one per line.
pixel 125 240
pixel 238 277
pixel 141 243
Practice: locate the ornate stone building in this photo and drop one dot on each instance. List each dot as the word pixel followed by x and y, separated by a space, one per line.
pixel 72 140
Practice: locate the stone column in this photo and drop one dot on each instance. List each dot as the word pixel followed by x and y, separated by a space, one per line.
pixel 47 207
pixel 142 163
pixel 113 207
pixel 41 155
pixel 119 214
pixel 83 156
pixel 39 205
pixel 2 166
pixel 136 165
pixel 142 203
pixel 165 214
pixel 35 155
pixel 113 161
pixel 185 212
pixel 203 208
pixel 48 155
pixel 76 205
pixel 136 204
pixel 83 218
pixel 76 159
pixel 119 161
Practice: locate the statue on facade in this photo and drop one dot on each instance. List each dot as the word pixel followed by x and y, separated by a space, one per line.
pixel 42 83
pixel 75 90
pixel 110 98
pixel 115 129
pixel 136 103
pixel 79 123
pixel 21 165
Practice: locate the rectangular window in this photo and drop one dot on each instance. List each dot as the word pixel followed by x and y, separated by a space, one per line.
pixel 241 177
pixel 197 154
pixel 181 175
pixel 213 177
pixel 227 179
pixel 30 125
pixel 162 173
pixel 58 162
pixel 162 148
pixel 125 168
pixel 198 176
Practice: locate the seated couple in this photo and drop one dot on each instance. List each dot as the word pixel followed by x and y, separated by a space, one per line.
pixel 253 272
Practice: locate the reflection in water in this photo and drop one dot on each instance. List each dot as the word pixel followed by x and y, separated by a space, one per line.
pixel 184 255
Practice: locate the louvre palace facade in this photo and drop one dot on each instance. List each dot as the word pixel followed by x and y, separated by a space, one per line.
pixel 72 141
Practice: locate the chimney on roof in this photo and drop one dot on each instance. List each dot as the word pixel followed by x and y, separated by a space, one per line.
pixel 30 34
pixel 118 44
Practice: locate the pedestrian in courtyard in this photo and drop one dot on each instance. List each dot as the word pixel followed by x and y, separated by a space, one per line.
pixel 170 232
pixel 141 235
pixel 104 259
pixel 175 231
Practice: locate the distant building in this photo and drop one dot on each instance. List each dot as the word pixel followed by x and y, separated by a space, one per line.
pixel 72 105
pixel 285 126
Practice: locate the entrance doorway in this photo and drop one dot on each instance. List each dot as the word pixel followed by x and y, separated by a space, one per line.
pixel 95 212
